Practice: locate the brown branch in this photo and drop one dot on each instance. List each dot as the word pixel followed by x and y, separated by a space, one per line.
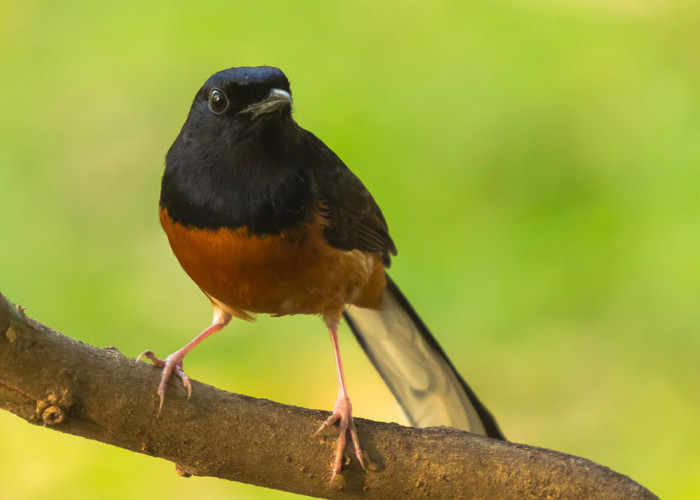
pixel 52 380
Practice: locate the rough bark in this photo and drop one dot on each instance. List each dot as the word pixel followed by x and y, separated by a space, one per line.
pixel 52 380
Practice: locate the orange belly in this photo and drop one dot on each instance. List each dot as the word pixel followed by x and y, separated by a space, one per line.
pixel 295 272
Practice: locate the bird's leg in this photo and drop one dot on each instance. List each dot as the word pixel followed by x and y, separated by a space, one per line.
pixel 342 411
pixel 173 363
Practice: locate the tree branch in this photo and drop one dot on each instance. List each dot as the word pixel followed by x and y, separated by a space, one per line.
pixel 52 380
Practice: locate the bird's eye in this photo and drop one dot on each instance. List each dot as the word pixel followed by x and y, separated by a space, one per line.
pixel 218 102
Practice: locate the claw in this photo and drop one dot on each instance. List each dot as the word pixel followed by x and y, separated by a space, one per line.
pixel 185 379
pixel 171 364
pixel 343 413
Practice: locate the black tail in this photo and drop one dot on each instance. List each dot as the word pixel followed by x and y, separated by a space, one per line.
pixel 416 369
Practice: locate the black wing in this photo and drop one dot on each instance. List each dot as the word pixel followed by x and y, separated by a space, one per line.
pixel 355 221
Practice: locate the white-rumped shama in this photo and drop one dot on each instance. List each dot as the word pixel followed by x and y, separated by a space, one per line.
pixel 265 218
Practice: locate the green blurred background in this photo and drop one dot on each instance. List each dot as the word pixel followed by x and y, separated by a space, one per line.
pixel 537 163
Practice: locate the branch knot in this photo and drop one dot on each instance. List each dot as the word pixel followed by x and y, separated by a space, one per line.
pixel 50 411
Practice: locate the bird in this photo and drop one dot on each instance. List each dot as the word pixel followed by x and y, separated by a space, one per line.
pixel 267 219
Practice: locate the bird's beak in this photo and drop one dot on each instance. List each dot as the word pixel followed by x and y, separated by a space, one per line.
pixel 277 99
pixel 279 94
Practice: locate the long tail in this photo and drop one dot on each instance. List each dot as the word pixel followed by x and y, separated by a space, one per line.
pixel 416 369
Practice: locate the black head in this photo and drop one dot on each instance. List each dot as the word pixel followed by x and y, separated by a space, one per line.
pixel 249 92
pixel 236 161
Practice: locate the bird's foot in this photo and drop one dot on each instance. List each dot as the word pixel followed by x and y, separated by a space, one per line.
pixel 171 364
pixel 343 412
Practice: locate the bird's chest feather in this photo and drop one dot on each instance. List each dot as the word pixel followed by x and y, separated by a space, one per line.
pixel 294 272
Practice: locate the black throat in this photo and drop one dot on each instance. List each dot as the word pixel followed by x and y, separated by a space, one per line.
pixel 239 173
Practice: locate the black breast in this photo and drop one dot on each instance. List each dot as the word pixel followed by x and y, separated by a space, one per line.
pixel 242 179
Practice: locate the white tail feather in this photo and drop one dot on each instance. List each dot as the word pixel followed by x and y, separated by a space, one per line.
pixel 414 367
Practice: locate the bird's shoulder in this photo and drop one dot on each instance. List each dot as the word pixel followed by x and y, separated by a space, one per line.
pixel 354 220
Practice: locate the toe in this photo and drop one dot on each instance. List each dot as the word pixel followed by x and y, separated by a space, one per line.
pixel 152 357
pixel 356 444
pixel 185 381
pixel 340 448
pixel 327 423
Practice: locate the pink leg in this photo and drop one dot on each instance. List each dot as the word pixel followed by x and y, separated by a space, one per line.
pixel 173 363
pixel 342 411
